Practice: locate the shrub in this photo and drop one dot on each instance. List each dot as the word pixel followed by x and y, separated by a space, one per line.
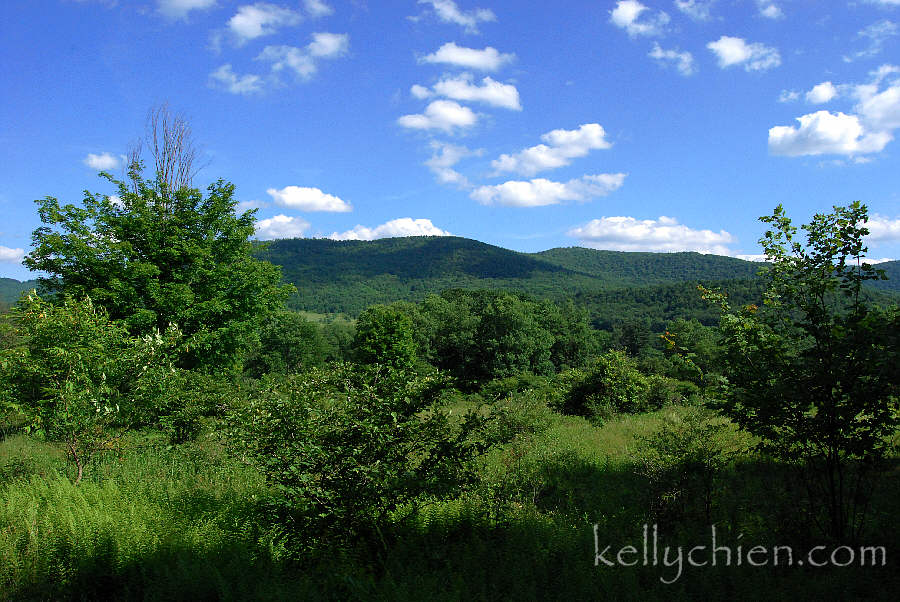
pixel 611 385
pixel 346 446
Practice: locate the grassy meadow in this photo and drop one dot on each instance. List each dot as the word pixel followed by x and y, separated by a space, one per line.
pixel 189 522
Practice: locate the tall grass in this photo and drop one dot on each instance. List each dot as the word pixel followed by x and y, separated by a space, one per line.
pixel 189 523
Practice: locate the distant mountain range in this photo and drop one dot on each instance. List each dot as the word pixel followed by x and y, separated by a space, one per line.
pixel 348 276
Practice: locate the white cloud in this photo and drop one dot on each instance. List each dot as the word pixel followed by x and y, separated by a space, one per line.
pixel 104 161
pixel 661 235
pixel 821 93
pixel 698 10
pixel 448 12
pixel 683 61
pixel 789 96
pixel 243 206
pixel 444 115
pixel 308 199
pixel 8 255
pixel 539 192
pixel 487 59
pixel 404 226
pixel 885 2
pixel 261 19
pixel 877 34
pixel 880 111
pixel 736 51
pixel 627 15
pixel 226 78
pixel 178 9
pixel 317 8
pixel 420 92
pixel 882 228
pixel 304 61
pixel 281 226
pixel 825 133
pixel 444 158
pixel 461 87
pixel 868 130
pixel 769 9
pixel 561 146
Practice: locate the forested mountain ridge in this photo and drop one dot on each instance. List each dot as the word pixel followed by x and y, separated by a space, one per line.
pixel 11 289
pixel 348 276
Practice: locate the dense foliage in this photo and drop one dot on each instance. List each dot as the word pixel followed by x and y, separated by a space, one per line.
pixel 152 257
pixel 814 371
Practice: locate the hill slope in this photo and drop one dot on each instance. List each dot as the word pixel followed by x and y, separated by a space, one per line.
pixel 348 276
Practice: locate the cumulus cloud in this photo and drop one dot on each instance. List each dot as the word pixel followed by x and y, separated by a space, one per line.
pixel 404 226
pixel 665 234
pixel 486 59
pixel 178 9
pixel 444 158
pixel 821 93
pixel 558 150
pixel 683 61
pixel 698 10
pixel 789 96
pixel 448 12
pixel 867 130
pixel 281 226
pixel 8 255
pixel 261 19
pixel 822 133
pixel 225 78
pixel 304 61
pixel 769 9
pixel 462 87
pixel 308 199
pixel 736 51
pixel 104 161
pixel 627 15
pixel 317 8
pixel 882 228
pixel 539 192
pixel 444 115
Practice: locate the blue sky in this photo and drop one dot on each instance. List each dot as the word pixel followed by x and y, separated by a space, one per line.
pixel 654 125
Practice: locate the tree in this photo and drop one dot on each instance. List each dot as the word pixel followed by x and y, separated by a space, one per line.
pixel 384 335
pixel 161 253
pixel 814 371
pixel 289 344
pixel 76 374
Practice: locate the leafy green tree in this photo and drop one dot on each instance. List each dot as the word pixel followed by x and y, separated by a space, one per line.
pixel 288 344
pixel 385 335
pixel 160 252
pixel 814 371
pixel 77 374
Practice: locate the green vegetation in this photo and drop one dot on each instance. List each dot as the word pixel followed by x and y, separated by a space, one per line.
pixel 170 430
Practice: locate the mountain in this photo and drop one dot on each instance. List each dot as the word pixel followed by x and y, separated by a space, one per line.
pixel 11 290
pixel 892 271
pixel 348 276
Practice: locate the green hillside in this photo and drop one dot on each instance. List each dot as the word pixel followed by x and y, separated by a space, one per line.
pixel 892 271
pixel 11 290
pixel 348 276
pixel 648 268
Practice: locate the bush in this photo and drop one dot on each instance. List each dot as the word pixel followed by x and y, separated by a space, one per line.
pixel 682 462
pixel 611 385
pixel 76 374
pixel 346 446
